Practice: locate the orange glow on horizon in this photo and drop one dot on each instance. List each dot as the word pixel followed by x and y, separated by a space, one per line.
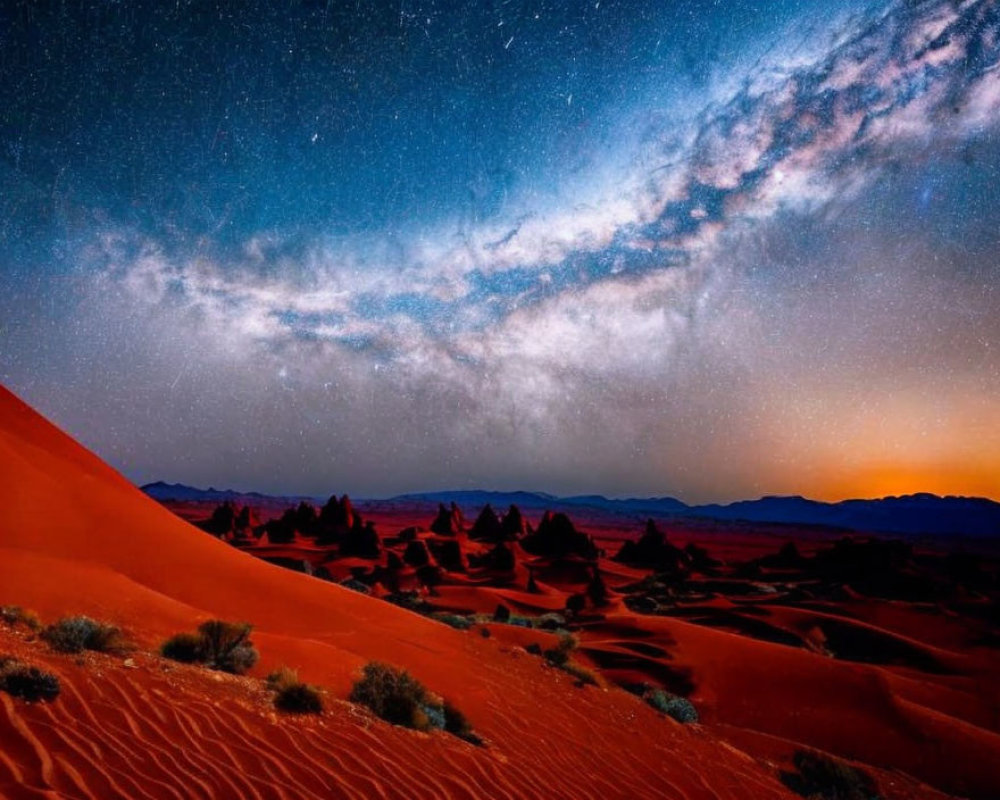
pixel 894 480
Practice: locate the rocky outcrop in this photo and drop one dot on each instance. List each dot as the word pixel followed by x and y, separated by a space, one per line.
pixel 449 521
pixel 557 537
pixel 653 551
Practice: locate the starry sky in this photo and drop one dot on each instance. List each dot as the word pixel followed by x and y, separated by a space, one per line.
pixel 705 249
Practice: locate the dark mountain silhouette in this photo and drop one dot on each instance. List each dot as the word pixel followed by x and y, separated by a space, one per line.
pixel 916 514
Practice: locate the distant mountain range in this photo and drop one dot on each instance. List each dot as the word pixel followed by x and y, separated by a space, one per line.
pixel 179 492
pixel 914 514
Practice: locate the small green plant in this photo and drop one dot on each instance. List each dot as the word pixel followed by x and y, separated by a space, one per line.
pixel 392 694
pixel 825 778
pixel 299 698
pixel 558 656
pixel 456 621
pixel 292 695
pixel 282 678
pixel 679 708
pixel 397 697
pixel 15 616
pixel 219 645
pixel 27 682
pixel 456 723
pixel 227 646
pixel 584 676
pixel 183 647
pixel 76 634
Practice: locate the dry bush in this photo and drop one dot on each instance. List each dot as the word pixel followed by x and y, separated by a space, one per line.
pixel 15 616
pixel 220 645
pixel 27 682
pixel 76 634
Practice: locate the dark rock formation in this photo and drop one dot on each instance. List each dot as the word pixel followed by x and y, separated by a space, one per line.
pixel 701 561
pixel 557 536
pixel 448 554
pixel 222 521
pixel 500 558
pixel 416 554
pixel 449 521
pixel 652 550
pixel 487 526
pixel 337 513
pixel 597 591
pixel 513 525
pixel 393 561
pixel 362 541
pixel 788 557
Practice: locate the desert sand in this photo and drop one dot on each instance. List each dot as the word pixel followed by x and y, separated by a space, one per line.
pixel 916 706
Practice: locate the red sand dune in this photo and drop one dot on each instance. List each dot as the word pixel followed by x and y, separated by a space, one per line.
pixel 76 537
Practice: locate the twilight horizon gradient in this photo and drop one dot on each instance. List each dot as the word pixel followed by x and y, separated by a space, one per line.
pixel 701 249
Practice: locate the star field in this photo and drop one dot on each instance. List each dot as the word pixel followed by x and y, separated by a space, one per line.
pixel 713 250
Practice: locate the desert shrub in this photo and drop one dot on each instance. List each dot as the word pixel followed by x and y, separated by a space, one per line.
pixel 76 634
pixel 456 724
pixel 434 714
pixel 27 682
pixel 551 622
pixel 227 645
pixel 820 776
pixel 220 645
pixel 299 698
pixel 485 633
pixel 680 708
pixel 292 695
pixel 15 616
pixel 392 694
pixel 534 648
pixel 282 678
pixel 583 675
pixel 558 656
pixel 456 621
pixel 183 647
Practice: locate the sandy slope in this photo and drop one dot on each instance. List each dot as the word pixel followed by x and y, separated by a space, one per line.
pixel 77 537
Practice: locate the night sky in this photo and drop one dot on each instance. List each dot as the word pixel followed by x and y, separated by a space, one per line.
pixel 704 249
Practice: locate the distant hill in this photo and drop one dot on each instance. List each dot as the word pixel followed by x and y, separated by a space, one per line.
pixel 909 514
pixel 916 514
pixel 179 492
pixel 539 501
